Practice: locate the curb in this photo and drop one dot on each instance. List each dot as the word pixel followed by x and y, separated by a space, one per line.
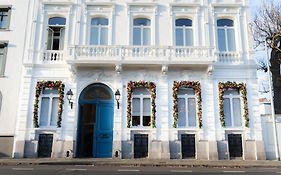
pixel 146 163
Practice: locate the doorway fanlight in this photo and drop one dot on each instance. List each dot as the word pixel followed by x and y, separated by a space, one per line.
pixel 69 97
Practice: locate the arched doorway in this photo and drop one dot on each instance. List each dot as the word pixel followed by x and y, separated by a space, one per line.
pixel 94 136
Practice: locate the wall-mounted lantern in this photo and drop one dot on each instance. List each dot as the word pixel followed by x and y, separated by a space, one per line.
pixel 69 98
pixel 117 97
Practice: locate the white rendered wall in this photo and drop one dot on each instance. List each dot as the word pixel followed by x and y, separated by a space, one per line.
pixel 10 82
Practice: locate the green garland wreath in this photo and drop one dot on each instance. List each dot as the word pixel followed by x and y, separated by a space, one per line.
pixel 197 88
pixel 233 85
pixel 152 88
pixel 39 87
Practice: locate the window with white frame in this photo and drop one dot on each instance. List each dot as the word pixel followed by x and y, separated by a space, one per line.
pixel 232 108
pixel 141 107
pixel 3 55
pixel 186 107
pixel 5 14
pixel 142 31
pixel 49 107
pixel 99 31
pixel 56 32
pixel 226 35
pixel 183 32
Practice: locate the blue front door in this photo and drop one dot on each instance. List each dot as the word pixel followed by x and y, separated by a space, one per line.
pixel 95 124
pixel 102 146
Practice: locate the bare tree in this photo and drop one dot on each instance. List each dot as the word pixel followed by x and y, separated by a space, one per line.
pixel 267 32
pixel 267 25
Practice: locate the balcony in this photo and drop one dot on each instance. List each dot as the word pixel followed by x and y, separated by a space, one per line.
pixel 45 57
pixel 229 57
pixel 133 55
pixel 140 55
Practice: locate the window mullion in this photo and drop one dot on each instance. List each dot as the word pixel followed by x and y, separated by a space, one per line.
pixel 141 29
pixel 99 34
pixel 184 35
pixel 50 110
pixel 141 110
pixel 231 111
pixel 226 38
pixel 186 111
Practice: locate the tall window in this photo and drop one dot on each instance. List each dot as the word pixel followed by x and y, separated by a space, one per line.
pixel 56 32
pixel 3 51
pixel 141 107
pixel 232 108
pixel 187 107
pixel 226 35
pixel 142 32
pixel 49 107
pixel 99 31
pixel 183 32
pixel 5 14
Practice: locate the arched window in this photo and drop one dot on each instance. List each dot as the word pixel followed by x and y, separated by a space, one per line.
pixel 142 31
pixel 187 108
pixel 96 91
pixel 226 35
pixel 99 31
pixel 56 32
pixel 183 32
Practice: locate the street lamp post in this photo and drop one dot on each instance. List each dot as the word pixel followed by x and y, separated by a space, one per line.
pixel 272 103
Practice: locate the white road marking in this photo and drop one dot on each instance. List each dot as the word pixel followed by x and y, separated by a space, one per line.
pixel 74 169
pixel 23 169
pixel 278 172
pixel 181 171
pixel 234 171
pixel 83 165
pixel 123 170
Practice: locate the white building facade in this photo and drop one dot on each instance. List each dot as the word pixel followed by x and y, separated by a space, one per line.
pixel 184 70
pixel 11 51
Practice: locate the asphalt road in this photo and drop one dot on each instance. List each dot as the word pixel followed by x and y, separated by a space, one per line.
pixel 115 170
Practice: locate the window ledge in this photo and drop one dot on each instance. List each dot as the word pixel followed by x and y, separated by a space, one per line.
pixel 234 128
pixel 3 76
pixel 188 128
pixel 5 30
pixel 142 128
pixel 47 129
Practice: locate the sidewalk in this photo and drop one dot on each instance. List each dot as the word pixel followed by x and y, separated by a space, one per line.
pixel 143 162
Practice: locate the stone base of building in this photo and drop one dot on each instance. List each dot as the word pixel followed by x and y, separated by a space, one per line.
pixel 252 150
pixel 157 149
pixel 205 150
pixel 60 149
pixel 6 146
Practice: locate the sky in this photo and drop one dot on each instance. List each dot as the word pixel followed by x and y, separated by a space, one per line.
pixel 263 78
pixel 254 5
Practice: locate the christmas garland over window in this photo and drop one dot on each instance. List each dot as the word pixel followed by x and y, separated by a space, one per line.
pixel 242 88
pixel 197 88
pixel 39 87
pixel 152 89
